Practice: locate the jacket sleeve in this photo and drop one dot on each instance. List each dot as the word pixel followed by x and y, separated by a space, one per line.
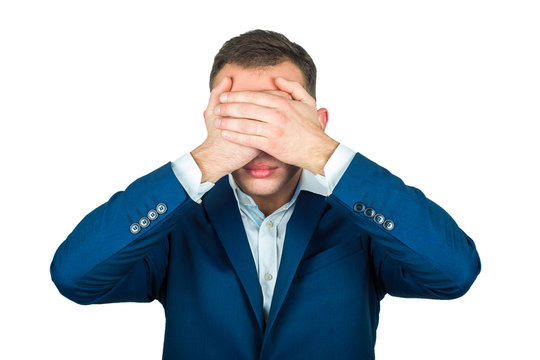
pixel 417 248
pixel 119 251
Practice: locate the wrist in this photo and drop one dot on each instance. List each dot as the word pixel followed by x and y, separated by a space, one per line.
pixel 206 162
pixel 321 155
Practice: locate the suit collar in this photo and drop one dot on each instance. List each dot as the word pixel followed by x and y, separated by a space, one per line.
pixel 223 212
pixel 300 229
pixel 230 230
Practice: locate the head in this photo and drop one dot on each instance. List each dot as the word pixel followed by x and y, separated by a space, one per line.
pixel 262 48
pixel 253 61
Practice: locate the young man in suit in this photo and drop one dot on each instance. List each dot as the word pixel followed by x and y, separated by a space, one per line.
pixel 270 240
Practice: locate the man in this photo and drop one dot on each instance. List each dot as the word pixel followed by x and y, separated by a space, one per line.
pixel 270 240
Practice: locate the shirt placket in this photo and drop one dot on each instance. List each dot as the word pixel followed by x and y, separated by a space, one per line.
pixel 268 260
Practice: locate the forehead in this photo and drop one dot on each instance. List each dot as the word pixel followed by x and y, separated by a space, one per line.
pixel 256 79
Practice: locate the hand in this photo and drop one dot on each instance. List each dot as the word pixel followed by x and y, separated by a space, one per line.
pixel 217 157
pixel 291 130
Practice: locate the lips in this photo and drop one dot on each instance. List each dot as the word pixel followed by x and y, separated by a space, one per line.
pixel 260 171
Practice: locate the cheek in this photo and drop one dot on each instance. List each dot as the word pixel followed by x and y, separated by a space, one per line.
pixel 291 170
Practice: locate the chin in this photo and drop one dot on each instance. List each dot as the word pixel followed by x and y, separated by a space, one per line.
pixel 276 184
pixel 259 187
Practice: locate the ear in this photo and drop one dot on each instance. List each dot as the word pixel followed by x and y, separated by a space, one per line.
pixel 322 116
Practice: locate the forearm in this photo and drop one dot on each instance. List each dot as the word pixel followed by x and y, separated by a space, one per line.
pixel 109 241
pixel 418 249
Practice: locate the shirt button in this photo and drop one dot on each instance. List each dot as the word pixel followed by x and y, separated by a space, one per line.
pixel 269 224
pixel 268 277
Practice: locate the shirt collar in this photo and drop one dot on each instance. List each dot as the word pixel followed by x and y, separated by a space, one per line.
pixel 308 182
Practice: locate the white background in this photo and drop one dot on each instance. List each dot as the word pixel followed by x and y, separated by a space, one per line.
pixel 445 94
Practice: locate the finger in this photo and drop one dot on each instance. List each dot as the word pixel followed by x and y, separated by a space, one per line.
pixel 268 98
pixel 283 94
pixel 246 111
pixel 244 126
pixel 296 90
pixel 252 141
pixel 224 85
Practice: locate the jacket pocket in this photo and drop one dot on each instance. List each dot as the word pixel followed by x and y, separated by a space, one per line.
pixel 328 257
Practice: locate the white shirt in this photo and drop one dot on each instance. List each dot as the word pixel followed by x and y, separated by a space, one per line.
pixel 266 235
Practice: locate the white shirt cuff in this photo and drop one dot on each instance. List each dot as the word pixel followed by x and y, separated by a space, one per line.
pixel 335 168
pixel 189 175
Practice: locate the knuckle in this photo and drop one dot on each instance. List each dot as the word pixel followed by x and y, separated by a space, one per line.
pixel 281 118
pixel 272 144
pixel 278 131
pixel 284 103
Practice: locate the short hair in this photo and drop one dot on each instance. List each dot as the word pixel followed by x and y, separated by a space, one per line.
pixel 262 48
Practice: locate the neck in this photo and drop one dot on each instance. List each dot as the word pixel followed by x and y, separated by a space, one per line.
pixel 267 204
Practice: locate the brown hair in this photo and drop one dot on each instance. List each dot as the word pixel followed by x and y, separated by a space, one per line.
pixel 261 48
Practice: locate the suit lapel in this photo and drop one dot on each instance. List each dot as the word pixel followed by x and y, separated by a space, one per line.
pixel 223 212
pixel 307 212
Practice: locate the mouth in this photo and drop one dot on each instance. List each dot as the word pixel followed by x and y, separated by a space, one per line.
pixel 260 171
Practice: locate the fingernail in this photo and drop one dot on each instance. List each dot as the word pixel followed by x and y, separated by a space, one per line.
pixel 217 110
pixel 223 97
pixel 217 122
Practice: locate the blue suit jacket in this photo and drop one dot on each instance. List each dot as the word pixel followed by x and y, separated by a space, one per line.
pixel 338 262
